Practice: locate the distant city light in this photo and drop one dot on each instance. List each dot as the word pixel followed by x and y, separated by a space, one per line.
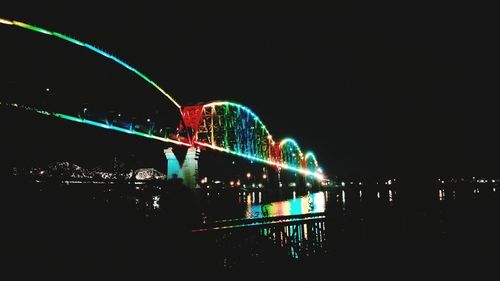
pixel 204 180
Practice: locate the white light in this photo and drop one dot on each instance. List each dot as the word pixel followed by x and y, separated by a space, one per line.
pixel 249 175
pixel 343 183
pixel 48 89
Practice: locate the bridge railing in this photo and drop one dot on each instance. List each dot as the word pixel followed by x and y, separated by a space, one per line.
pixel 292 237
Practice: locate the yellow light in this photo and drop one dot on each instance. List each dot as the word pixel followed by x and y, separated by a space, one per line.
pixel 4 21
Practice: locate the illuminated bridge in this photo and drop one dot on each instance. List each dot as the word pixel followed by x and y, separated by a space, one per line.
pixel 221 125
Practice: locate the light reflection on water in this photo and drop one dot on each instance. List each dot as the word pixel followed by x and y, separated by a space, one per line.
pixel 307 204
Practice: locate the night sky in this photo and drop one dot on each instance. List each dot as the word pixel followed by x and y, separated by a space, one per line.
pixel 373 89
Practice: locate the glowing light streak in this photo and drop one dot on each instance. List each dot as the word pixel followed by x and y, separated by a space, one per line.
pixel 319 176
pixel 240 106
pixel 280 221
pixel 99 124
pixel 311 155
pixel 31 27
pixel 294 143
pixel 92 48
pixel 67 38
pixel 4 21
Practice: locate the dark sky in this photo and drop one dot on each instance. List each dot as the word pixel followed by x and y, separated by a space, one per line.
pixel 373 89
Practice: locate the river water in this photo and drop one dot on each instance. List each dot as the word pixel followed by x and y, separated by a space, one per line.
pixel 350 223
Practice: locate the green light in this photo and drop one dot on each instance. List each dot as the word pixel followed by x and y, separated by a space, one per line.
pixel 227 103
pixel 31 27
pixel 64 37
pixel 311 155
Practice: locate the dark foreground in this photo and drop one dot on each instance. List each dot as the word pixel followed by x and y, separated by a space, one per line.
pixel 67 234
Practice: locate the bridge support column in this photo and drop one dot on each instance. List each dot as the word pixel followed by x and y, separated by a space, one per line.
pixel 189 170
pixel 173 166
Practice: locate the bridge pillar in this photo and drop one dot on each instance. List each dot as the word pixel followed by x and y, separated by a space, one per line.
pixel 189 170
pixel 173 166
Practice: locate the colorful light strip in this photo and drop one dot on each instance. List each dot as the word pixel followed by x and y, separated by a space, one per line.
pixel 90 47
pixel 248 110
pixel 294 143
pixel 97 124
pixel 311 155
pixel 266 159
pixel 319 216
pixel 306 172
